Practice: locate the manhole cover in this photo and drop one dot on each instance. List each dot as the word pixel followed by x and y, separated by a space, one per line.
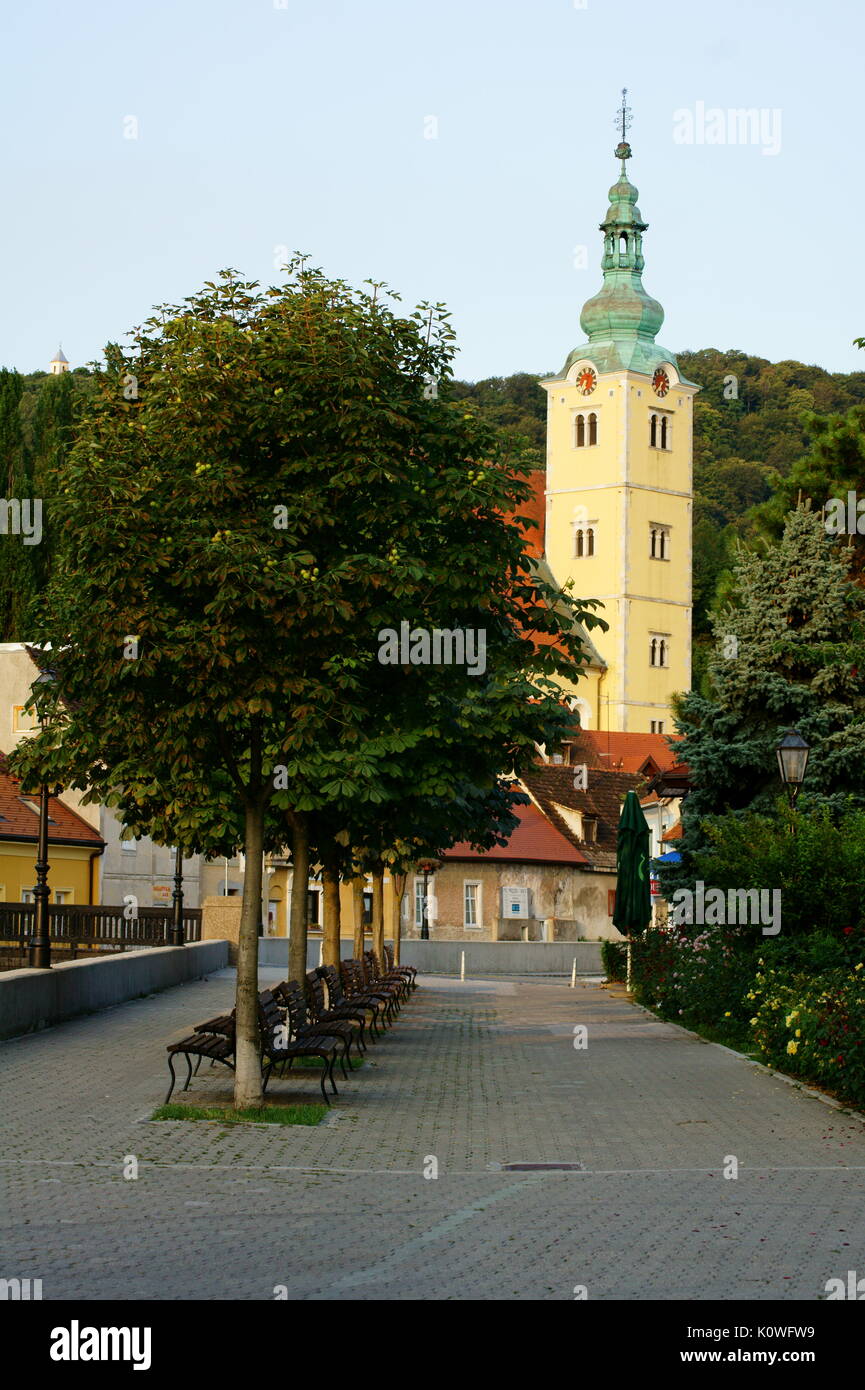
pixel 543 1167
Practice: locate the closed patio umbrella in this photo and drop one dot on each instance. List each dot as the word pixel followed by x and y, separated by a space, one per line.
pixel 633 910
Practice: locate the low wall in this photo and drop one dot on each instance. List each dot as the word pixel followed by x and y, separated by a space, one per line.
pixel 482 957
pixel 31 999
pixel 485 958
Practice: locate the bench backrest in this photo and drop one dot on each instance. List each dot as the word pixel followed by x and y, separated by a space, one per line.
pixel 315 995
pixel 271 1022
pixel 348 976
pixel 371 967
pixel 330 976
pixel 295 1002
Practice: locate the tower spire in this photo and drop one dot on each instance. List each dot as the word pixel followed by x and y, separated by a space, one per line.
pixel 622 320
pixel 623 118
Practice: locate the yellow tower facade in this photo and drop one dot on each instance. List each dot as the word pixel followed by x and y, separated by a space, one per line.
pixel 619 485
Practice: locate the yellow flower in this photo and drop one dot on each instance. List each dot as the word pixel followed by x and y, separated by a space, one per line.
pixel 859 966
pixel 754 1021
pixel 798 1032
pixel 792 1047
pixel 727 1014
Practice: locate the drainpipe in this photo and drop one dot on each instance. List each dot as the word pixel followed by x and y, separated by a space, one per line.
pixel 95 855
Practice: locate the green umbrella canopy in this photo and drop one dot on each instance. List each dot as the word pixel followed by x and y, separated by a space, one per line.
pixel 633 910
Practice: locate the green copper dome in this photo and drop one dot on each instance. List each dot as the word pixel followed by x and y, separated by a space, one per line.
pixel 622 320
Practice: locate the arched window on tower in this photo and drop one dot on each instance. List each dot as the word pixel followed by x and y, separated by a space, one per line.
pixel 623 244
pixel 581 431
pixel 593 428
pixel 590 540
pixel 653 432
pixel 663 431
pixel 654 541
pixel 578 543
pixel 653 652
pixel 662 652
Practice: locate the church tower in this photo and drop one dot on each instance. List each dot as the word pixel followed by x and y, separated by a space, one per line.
pixel 619 483
pixel 59 363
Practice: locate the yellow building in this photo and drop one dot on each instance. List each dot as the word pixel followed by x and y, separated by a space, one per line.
pixel 74 849
pixel 619 487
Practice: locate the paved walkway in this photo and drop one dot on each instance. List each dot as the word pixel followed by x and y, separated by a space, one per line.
pixel 477 1074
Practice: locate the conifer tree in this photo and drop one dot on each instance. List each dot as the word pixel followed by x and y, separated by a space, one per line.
pixel 789 652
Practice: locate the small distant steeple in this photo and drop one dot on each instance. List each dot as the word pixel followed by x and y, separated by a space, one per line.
pixel 59 363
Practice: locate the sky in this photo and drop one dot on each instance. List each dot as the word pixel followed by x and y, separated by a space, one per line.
pixel 460 152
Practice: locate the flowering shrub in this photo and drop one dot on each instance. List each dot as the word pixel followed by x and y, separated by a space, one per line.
pixel 695 976
pixel 813 1026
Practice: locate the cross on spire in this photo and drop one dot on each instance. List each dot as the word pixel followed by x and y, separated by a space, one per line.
pixel 623 115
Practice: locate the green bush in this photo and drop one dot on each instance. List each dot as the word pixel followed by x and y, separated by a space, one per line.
pixel 614 955
pixel 818 869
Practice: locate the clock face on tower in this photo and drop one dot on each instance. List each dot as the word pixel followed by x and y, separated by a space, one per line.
pixel 660 382
pixel 587 381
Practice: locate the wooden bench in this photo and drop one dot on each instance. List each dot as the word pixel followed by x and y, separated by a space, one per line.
pixel 408 971
pixel 379 984
pixel 377 976
pixel 215 1046
pixel 320 1013
pixel 276 1048
pixel 353 978
pixel 289 995
pixel 214 1040
pixel 338 998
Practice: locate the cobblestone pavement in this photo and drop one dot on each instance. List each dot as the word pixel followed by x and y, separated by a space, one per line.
pixel 477 1074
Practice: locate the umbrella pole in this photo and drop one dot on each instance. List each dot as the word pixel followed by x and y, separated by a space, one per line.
pixel 628 972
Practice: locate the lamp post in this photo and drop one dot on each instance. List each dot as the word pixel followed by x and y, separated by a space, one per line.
pixel 176 931
pixel 40 941
pixel 426 869
pixel 792 753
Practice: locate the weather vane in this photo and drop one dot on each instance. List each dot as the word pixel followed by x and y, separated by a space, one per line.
pixel 623 115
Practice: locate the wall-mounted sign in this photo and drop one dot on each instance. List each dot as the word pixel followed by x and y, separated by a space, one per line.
pixel 515 902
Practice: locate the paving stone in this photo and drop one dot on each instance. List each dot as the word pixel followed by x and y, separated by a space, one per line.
pixel 478 1074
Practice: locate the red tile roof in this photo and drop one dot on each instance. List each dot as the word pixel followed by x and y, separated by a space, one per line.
pixel 534 841
pixel 535 509
pixel 623 752
pixel 19 822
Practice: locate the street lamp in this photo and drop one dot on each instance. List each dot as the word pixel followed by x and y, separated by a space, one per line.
pixel 792 753
pixel 426 869
pixel 40 941
pixel 176 931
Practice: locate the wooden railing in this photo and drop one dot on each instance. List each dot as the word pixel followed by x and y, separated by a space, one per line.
pixel 93 929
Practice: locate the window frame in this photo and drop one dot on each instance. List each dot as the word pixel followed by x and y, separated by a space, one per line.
pixel 477 884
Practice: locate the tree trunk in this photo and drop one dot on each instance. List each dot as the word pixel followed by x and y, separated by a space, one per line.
pixel 247 1060
pixel 398 891
pixel 378 911
pixel 299 882
pixel 330 894
pixel 357 886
